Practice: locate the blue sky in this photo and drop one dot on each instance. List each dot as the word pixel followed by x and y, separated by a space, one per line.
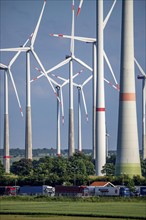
pixel 18 20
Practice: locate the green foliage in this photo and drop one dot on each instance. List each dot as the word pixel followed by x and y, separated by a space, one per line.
pixel 143 167
pixel 22 167
pixel 2 170
pixel 77 170
pixel 53 170
pixel 108 169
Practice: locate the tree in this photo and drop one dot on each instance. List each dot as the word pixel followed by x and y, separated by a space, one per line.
pixel 22 167
pixel 2 170
pixel 43 166
pixel 108 169
pixel 143 167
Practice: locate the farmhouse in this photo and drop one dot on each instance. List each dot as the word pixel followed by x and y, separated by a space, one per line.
pixel 104 189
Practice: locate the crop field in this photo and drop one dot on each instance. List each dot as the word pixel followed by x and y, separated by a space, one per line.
pixel 70 210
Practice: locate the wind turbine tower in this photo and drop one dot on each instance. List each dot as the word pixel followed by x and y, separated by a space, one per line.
pixel 128 161
pixel 58 123
pixel 100 100
pixel 79 121
pixel 28 124
pixel 143 78
pixel 6 157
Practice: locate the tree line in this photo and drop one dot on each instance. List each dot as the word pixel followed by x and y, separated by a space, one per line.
pixel 76 170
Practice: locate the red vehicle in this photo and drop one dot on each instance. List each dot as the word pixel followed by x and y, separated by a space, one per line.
pixel 8 190
pixel 11 190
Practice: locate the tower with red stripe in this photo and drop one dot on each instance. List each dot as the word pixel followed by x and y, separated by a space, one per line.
pixel 128 161
pixel 100 97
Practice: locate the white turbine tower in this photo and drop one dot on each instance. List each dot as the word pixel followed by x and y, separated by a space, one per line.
pixel 127 160
pixel 100 98
pixel 143 78
pixel 6 156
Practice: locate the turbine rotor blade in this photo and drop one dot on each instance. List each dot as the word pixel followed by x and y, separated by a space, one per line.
pixel 17 54
pixel 79 8
pixel 72 32
pixel 62 105
pixel 40 71
pixel 87 80
pixel 21 49
pixel 82 63
pixel 115 87
pixel 84 102
pixel 59 65
pixel 44 72
pixel 37 26
pixel 59 77
pixel 14 86
pixel 109 14
pixel 83 39
pixel 139 67
pixel 110 67
pixel 3 66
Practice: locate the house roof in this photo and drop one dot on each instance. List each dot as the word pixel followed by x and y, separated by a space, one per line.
pixel 102 184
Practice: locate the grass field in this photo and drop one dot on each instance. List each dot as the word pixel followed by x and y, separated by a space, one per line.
pixel 24 217
pixel 118 209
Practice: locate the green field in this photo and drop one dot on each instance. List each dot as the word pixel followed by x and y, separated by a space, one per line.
pixel 24 217
pixel 80 209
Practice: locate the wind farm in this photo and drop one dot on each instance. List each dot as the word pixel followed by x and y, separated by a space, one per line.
pixel 92 65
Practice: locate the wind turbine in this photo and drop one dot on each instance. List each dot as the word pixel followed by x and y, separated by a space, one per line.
pixel 143 78
pixel 60 93
pixel 57 93
pixel 7 71
pixel 70 59
pixel 28 128
pixel 81 92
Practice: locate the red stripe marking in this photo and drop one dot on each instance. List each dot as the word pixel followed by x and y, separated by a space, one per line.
pixel 20 109
pixel 58 155
pixel 73 7
pixel 127 96
pixel 34 78
pixel 118 87
pixel 100 109
pixel 51 34
pixel 6 157
pixel 78 12
pixel 60 35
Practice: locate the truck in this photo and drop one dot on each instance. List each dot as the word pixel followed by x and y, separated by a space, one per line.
pixel 124 191
pixel 142 191
pixel 9 190
pixel 37 190
pixel 112 191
